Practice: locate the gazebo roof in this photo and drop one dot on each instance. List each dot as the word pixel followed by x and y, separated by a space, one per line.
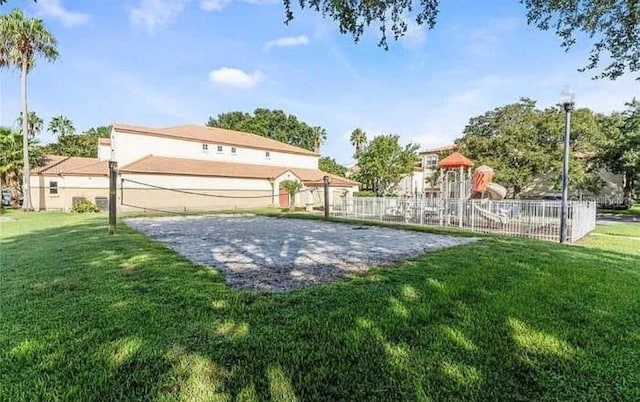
pixel 455 160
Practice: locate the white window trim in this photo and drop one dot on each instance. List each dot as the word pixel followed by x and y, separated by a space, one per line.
pixel 234 151
pixel 219 149
pixel 205 148
pixel 431 161
pixel 57 187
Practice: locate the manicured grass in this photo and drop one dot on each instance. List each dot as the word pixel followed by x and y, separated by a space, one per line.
pixel 86 316
pixel 622 237
pixel 634 210
pixel 620 229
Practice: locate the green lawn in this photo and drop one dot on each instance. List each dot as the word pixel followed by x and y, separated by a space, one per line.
pixel 622 237
pixel 86 316
pixel 634 210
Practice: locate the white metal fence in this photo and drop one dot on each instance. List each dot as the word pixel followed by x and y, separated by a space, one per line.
pixel 582 219
pixel 531 219
pixel 613 201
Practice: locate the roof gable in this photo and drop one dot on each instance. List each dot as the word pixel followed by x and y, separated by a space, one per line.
pixel 58 165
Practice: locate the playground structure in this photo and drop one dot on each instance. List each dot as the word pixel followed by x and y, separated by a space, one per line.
pixel 470 199
pixel 460 183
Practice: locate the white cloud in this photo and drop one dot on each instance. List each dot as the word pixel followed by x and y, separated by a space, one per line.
pixel 234 77
pixel 217 5
pixel 287 41
pixel 151 15
pixel 55 10
pixel 214 5
pixel 490 39
pixel 415 34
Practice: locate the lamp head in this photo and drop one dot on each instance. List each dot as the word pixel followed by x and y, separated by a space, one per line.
pixel 567 99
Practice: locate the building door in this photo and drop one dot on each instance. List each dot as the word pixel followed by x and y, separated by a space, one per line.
pixel 283 197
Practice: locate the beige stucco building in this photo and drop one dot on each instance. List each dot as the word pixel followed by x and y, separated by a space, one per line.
pixel 185 168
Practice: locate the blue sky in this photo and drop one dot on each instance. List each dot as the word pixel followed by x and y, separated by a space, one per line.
pixel 169 62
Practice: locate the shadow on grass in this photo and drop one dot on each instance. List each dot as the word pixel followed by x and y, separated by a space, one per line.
pixel 87 316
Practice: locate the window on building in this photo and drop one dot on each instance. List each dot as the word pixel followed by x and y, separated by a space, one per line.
pixel 205 147
pixel 53 188
pixel 267 154
pixel 233 150
pixel 219 149
pixel 430 161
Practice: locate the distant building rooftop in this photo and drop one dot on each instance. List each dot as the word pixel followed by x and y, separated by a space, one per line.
pixel 451 147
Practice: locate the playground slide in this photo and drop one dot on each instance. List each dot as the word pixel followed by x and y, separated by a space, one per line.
pixel 496 192
pixel 490 215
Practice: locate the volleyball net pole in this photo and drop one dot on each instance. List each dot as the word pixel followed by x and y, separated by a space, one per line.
pixel 113 166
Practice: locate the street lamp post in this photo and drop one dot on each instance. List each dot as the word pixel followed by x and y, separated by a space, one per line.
pixel 567 101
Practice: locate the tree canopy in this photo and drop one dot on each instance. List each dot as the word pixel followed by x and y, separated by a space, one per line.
pixel 85 145
pixel 383 162
pixel 329 165
pixel 274 124
pixel 523 143
pixel 61 126
pixel 35 124
pixel 358 138
pixel 621 152
pixel 612 25
pixel 100 131
pixel 11 157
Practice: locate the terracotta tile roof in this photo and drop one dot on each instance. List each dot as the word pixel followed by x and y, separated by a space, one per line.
pixel 104 141
pixel 216 136
pixel 455 160
pixel 315 178
pixel 190 167
pixel 57 165
pixel 451 147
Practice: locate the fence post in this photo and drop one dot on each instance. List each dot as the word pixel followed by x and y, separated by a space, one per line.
pixel 473 215
pixel 325 181
pixel 113 165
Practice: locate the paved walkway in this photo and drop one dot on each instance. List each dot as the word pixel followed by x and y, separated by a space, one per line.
pixel 617 218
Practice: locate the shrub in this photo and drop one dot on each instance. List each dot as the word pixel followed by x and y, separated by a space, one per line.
pixel 84 206
pixel 292 187
pixel 365 193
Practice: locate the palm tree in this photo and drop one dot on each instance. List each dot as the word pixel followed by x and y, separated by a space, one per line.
pixel 21 41
pixel 318 137
pixel 358 139
pixel 11 157
pixel 61 126
pixel 34 124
